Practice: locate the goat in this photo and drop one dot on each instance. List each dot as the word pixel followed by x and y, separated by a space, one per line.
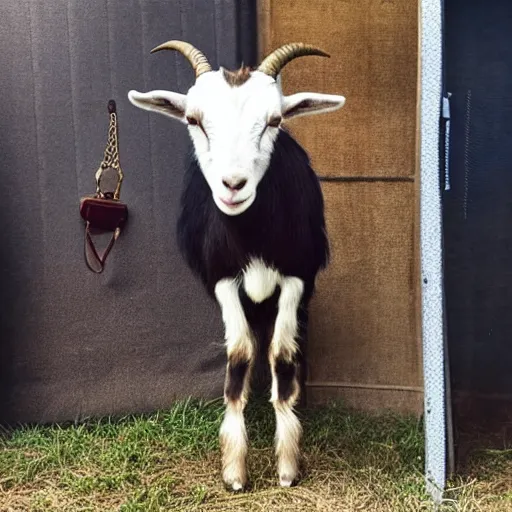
pixel 252 228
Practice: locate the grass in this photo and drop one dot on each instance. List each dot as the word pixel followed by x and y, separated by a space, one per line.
pixel 170 461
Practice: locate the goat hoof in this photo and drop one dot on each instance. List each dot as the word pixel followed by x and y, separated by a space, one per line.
pixel 286 481
pixel 235 487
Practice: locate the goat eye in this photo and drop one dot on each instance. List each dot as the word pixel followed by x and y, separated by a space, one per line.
pixel 275 122
pixel 192 121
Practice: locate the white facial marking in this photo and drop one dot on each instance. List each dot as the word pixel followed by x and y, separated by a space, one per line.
pixel 233 142
pixel 260 280
pixel 234 128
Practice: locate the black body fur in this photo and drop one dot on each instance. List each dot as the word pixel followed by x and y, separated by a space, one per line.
pixel 285 227
pixel 235 379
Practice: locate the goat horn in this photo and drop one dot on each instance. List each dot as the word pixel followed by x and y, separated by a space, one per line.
pixel 276 61
pixel 196 58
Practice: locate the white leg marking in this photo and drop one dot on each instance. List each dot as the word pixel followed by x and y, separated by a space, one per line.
pixel 284 346
pixel 233 440
pixel 283 342
pixel 237 331
pixel 260 280
pixel 288 434
pixel 239 344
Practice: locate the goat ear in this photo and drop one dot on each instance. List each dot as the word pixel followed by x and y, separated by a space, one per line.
pixel 171 104
pixel 307 103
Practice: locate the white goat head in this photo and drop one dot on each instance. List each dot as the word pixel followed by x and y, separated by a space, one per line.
pixel 233 118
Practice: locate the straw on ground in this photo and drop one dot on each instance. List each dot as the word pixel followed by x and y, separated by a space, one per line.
pixel 170 461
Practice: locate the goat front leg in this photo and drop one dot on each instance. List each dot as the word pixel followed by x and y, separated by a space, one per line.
pixel 240 353
pixel 285 391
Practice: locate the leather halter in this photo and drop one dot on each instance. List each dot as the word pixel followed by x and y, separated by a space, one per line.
pixel 103 211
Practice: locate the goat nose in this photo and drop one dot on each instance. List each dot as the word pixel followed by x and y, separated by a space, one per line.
pixel 234 183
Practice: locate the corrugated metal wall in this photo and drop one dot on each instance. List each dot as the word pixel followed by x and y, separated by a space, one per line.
pixel 132 339
pixel 364 341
